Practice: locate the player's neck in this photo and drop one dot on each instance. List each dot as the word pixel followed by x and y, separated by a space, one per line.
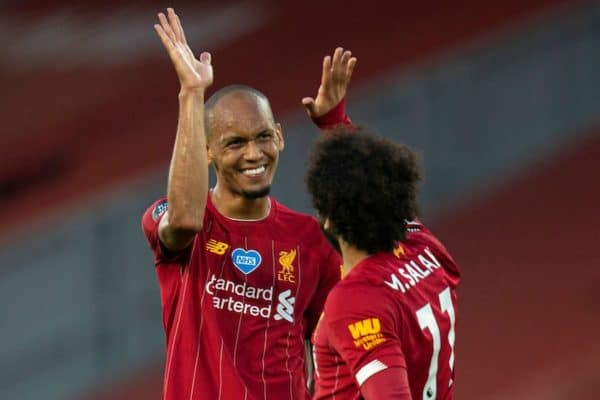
pixel 351 256
pixel 238 207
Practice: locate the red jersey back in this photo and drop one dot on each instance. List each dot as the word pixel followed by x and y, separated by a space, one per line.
pixel 238 303
pixel 391 310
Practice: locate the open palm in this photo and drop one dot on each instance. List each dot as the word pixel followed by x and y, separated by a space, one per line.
pixel 192 73
pixel 335 78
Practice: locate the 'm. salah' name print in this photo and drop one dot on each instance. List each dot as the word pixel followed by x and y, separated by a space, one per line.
pixel 414 271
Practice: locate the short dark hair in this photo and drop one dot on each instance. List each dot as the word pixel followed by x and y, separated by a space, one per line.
pixel 365 185
pixel 224 91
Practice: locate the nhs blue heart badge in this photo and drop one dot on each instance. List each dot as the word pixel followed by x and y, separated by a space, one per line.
pixel 246 260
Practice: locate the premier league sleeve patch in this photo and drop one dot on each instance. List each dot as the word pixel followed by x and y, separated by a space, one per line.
pixel 160 209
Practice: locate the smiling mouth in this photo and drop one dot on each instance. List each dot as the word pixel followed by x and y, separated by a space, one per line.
pixel 252 172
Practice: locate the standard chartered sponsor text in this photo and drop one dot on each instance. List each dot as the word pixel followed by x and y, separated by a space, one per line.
pixel 240 297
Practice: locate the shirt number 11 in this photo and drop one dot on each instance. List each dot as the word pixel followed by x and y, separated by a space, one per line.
pixel 427 321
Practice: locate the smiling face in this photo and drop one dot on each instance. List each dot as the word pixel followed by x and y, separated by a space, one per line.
pixel 244 144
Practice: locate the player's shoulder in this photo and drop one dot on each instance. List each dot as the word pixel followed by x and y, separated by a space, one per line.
pixel 301 224
pixel 157 208
pixel 419 238
pixel 419 234
pixel 288 213
pixel 153 213
pixel 358 284
pixel 354 284
pixel 417 229
pixel 353 297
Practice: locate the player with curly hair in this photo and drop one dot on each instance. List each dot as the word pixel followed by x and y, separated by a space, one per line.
pixel 388 327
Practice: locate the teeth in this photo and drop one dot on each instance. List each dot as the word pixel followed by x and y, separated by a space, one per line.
pixel 254 171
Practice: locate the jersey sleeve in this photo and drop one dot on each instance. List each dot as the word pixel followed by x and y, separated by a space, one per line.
pixel 335 117
pixel 389 384
pixel 362 324
pixel 330 273
pixel 150 222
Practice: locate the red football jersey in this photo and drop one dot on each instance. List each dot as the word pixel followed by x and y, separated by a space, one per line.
pixel 391 310
pixel 238 303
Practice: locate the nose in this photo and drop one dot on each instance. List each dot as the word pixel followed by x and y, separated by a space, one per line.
pixel 252 151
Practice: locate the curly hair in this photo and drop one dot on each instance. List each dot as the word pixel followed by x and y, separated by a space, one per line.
pixel 365 185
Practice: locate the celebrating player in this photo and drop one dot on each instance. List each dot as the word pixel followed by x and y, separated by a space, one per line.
pixel 242 278
pixel 387 331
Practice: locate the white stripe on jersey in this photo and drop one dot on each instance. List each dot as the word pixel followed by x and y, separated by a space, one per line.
pixel 368 370
pixel 299 273
pixel 268 322
pixel 337 374
pixel 287 352
pixel 199 332
pixel 314 353
pixel 186 275
pixel 237 335
pixel 220 370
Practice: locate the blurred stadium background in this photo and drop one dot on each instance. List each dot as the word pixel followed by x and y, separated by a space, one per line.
pixel 501 99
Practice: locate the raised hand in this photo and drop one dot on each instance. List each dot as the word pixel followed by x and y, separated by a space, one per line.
pixel 337 71
pixel 193 73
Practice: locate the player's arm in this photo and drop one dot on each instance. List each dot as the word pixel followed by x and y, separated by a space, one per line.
pixel 365 335
pixel 389 384
pixel 328 108
pixel 188 174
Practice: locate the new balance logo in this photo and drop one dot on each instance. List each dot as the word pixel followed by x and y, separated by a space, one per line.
pixel 285 308
pixel 216 247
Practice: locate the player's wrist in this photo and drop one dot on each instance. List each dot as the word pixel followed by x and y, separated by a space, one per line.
pixel 195 92
pixel 336 116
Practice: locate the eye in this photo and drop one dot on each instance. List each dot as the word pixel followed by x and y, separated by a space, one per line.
pixel 234 143
pixel 264 136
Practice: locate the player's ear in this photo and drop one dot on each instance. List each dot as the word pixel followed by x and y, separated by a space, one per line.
pixel 279 134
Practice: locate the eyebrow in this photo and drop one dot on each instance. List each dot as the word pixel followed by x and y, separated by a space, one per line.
pixel 234 136
pixel 226 138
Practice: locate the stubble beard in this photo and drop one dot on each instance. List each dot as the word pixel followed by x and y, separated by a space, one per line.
pixel 256 194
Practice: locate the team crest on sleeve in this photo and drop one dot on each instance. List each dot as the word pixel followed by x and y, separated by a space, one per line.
pixel 160 209
pixel 246 260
